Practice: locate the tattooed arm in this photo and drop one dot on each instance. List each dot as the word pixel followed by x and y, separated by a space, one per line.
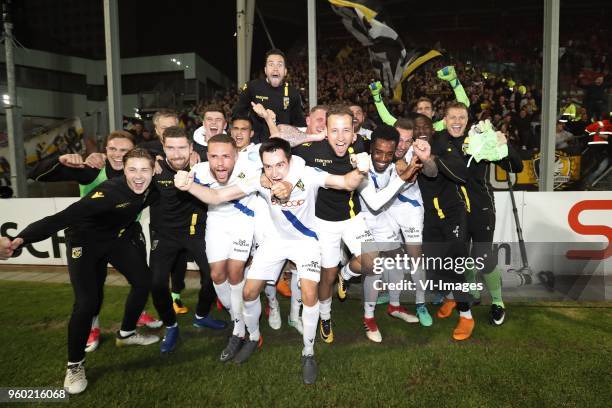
pixel 293 135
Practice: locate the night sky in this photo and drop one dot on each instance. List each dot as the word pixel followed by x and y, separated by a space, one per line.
pixel 207 27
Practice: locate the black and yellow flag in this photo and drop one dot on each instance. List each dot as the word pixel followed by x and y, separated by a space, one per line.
pixel 366 20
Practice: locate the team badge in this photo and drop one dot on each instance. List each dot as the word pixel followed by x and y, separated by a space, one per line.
pixel 98 194
pixel 300 185
pixel 77 252
pixel 241 175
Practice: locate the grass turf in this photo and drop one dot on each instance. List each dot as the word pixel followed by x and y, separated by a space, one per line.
pixel 544 355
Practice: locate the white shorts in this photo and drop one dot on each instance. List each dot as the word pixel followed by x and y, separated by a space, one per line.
pixel 263 220
pixel 353 232
pixel 229 238
pixel 384 232
pixel 272 254
pixel 408 220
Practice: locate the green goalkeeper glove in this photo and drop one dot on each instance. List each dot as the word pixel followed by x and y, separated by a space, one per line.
pixel 375 89
pixel 483 143
pixel 448 74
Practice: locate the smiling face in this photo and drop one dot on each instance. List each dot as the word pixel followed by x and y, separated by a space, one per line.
pixel 221 159
pixel 358 117
pixel 423 129
pixel 315 122
pixel 214 123
pixel 138 174
pixel 405 141
pixel 275 70
pixel 177 151
pixel 275 165
pixel 456 120
pixel 241 132
pixel 382 152
pixel 115 150
pixel 340 133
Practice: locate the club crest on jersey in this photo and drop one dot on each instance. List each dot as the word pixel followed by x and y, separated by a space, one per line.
pixel 241 175
pixel 77 252
pixel 300 184
pixel 98 194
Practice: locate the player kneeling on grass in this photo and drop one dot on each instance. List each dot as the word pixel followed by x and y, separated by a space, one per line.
pixel 101 229
pixel 293 239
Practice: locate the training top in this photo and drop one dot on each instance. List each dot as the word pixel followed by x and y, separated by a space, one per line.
pixel 293 219
pixel 176 213
pixel 109 211
pixel 285 101
pixel 332 205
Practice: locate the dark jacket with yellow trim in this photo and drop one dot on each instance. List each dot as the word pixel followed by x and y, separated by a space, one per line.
pixel 443 192
pixel 285 101
pixel 177 213
pixel 478 188
pixel 107 212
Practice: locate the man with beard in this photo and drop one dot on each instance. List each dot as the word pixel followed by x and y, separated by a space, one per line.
pixel 274 94
pixel 363 134
pixel 293 237
pixel 177 226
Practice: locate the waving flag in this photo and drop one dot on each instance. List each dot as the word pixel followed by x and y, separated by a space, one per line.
pixel 366 20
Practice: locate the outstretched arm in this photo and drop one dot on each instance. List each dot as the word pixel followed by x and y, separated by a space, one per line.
pixel 385 115
pixel 184 181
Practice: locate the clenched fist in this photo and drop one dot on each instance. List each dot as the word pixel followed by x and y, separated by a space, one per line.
pixel 183 180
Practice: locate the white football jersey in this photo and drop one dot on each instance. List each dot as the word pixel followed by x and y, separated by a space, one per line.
pixel 410 194
pixel 243 170
pixel 293 219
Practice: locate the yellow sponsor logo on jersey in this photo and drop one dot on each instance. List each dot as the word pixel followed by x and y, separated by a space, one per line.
pixel 98 194
pixel 166 183
pixel 122 205
pixel 263 98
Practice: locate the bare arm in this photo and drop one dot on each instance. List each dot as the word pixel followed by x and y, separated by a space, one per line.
pixel 350 181
pixel 184 182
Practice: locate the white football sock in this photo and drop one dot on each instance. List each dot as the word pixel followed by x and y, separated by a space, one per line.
pixel 237 306
pixel 324 309
pixel 223 293
pixel 251 313
pixel 296 297
pixel 310 318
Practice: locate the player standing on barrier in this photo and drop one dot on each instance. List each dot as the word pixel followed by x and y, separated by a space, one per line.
pixel 89 173
pixel 101 229
pixel 274 94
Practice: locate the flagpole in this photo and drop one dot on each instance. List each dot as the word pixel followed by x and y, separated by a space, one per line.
pixel 312 54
